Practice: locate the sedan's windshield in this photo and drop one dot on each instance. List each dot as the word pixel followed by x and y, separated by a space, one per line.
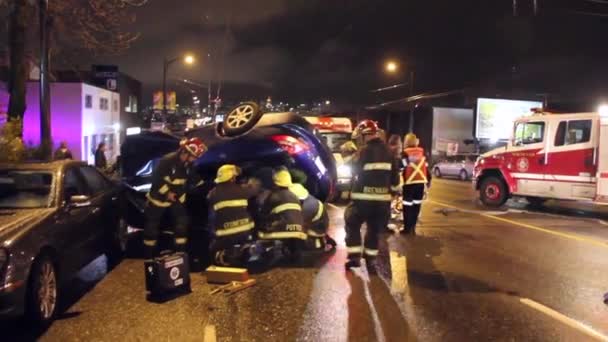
pixel 21 189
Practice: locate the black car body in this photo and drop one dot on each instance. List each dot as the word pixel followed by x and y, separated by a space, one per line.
pixel 54 217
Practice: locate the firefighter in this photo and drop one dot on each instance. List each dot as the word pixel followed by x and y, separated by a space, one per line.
pixel 314 212
pixel 376 177
pixel 170 182
pixel 348 150
pixel 228 214
pixel 282 214
pixel 416 178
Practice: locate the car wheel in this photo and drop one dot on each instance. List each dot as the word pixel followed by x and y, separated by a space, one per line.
pixel 241 119
pixel 42 292
pixel 437 172
pixel 493 192
pixel 463 175
pixel 535 201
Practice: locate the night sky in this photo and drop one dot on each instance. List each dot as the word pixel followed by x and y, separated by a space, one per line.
pixel 306 50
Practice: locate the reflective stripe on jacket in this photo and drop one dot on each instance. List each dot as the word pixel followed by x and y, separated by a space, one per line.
pixel 375 172
pixel 416 166
pixel 228 204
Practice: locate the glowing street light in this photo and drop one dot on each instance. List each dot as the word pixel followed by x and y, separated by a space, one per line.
pixel 391 67
pixel 327 102
pixel 188 60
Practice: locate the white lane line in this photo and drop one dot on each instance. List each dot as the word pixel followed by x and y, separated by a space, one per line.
pixel 565 319
pixel 210 335
pixel 380 336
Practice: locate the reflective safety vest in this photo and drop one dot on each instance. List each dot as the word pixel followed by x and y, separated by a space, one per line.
pixel 282 214
pixel 376 173
pixel 416 166
pixel 314 212
pixel 228 204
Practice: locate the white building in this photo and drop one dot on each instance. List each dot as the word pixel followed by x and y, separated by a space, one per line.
pixel 81 115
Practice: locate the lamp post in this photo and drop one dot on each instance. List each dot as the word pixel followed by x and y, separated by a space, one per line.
pixel 45 104
pixel 188 59
pixel 392 67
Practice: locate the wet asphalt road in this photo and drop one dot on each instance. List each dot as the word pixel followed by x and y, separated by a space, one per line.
pixel 517 274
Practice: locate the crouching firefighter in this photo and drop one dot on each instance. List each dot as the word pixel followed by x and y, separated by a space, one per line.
pixel 314 213
pixel 170 182
pixel 416 178
pixel 282 215
pixel 376 176
pixel 228 215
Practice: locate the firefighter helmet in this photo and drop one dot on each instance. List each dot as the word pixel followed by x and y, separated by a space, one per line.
pixel 282 178
pixel 411 140
pixel 194 146
pixel 226 173
pixel 365 127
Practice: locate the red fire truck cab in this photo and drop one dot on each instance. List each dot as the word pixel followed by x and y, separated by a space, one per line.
pixel 550 156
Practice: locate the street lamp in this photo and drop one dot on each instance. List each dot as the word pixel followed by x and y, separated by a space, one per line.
pixel 188 59
pixel 392 67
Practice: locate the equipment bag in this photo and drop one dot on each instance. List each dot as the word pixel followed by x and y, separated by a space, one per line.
pixel 168 273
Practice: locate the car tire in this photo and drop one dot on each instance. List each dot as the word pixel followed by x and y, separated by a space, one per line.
pixel 42 301
pixel 536 202
pixel 241 119
pixel 463 175
pixel 493 192
pixel 437 172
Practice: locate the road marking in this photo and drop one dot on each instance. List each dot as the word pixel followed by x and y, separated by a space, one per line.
pixel 365 278
pixel 565 319
pixel 210 335
pixel 592 241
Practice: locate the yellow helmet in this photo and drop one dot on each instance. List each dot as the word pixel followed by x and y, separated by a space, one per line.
pixel 411 140
pixel 282 178
pixel 226 173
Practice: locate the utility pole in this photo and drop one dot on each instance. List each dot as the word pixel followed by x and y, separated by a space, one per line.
pixel 515 8
pixel 45 100
pixel 411 123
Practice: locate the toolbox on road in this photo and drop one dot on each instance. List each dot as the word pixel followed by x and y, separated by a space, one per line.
pixel 169 273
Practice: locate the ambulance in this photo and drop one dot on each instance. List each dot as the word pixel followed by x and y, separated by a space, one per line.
pixel 550 156
pixel 335 131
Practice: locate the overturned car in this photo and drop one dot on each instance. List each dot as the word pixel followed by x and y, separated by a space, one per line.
pixel 247 138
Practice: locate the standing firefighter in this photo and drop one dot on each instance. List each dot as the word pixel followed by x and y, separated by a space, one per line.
pixel 376 174
pixel 229 217
pixel 170 182
pixel 416 177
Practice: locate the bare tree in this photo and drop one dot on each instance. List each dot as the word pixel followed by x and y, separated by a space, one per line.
pixel 94 26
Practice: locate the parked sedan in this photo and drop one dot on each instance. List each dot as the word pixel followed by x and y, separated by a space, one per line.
pixel 54 219
pixel 460 166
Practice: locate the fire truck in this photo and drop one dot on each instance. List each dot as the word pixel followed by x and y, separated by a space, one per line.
pixel 550 156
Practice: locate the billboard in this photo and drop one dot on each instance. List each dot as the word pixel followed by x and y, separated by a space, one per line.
pixel 495 116
pixel 171 100
pixel 106 76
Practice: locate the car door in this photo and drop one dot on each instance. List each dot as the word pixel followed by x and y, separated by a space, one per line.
pixel 571 166
pixel 527 157
pixel 104 208
pixel 73 220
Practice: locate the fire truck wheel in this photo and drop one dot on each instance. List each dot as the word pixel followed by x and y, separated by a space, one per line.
pixel 493 192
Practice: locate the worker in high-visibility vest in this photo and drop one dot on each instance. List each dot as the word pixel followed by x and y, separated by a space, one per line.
pixel 376 178
pixel 416 179
pixel 228 215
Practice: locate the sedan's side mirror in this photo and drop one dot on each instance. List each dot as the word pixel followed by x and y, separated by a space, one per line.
pixel 79 201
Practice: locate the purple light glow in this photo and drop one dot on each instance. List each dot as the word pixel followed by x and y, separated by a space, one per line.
pixel 66 115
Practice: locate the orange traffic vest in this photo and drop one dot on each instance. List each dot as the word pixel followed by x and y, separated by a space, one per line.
pixel 415 171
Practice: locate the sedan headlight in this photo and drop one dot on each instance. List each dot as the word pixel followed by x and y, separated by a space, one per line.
pixel 344 171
